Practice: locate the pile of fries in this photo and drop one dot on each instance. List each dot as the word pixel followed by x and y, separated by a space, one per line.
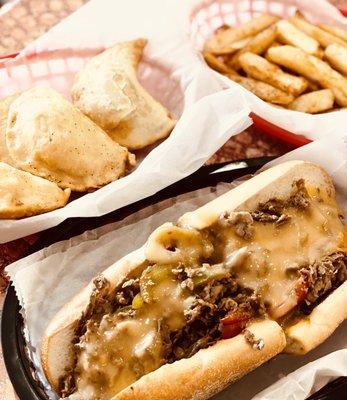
pixel 288 63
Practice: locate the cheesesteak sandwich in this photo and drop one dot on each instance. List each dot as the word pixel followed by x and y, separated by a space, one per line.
pixel 259 270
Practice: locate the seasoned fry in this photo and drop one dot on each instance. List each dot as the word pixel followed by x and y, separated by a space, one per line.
pixel 314 102
pixel 312 68
pixel 221 42
pixel 275 44
pixel 341 33
pixel 289 34
pixel 263 90
pixel 259 68
pixel 312 86
pixel 337 56
pixel 331 79
pixel 291 63
pixel 257 45
pixel 218 65
pixel 320 53
pixel 222 28
pixel 323 37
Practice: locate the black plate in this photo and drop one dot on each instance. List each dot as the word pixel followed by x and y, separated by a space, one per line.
pixel 19 367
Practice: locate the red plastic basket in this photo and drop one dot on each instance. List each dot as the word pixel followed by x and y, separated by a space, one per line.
pixel 209 15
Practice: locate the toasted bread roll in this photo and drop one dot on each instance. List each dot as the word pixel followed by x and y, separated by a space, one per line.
pixel 210 370
pixel 311 331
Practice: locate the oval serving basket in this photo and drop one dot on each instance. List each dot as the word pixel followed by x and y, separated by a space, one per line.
pixel 15 351
pixel 207 15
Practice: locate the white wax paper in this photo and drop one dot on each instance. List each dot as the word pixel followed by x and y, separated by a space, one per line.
pixel 207 15
pixel 46 280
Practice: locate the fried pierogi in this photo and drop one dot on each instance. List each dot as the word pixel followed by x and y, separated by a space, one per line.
pixel 49 137
pixel 4 107
pixel 23 194
pixel 108 91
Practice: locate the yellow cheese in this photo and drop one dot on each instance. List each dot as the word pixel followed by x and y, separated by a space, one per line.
pixel 275 251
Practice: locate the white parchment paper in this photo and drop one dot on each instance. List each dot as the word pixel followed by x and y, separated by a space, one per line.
pixel 46 280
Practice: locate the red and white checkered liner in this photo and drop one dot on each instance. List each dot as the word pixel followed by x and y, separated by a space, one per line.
pixel 57 69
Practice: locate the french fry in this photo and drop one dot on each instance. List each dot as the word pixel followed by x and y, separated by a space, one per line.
pixel 216 64
pixel 259 68
pixel 275 44
pixel 289 34
pixel 337 57
pixel 221 42
pixel 341 33
pixel 257 45
pixel 222 28
pixel 324 38
pixel 226 58
pixel 312 86
pixel 331 79
pixel 314 102
pixel 263 90
pixel 234 47
pixel 320 53
pixel 312 68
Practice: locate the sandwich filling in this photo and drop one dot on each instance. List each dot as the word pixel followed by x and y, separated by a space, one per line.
pixel 198 287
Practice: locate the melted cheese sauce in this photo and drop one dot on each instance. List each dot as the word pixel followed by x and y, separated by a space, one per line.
pixel 118 351
pixel 275 252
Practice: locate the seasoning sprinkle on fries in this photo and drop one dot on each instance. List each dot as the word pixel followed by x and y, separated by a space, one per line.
pixel 289 63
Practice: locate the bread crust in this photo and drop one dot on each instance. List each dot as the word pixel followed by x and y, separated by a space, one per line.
pixel 271 183
pixel 211 369
pixel 314 329
pixel 60 331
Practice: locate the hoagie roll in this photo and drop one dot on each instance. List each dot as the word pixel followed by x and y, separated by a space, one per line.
pixel 209 298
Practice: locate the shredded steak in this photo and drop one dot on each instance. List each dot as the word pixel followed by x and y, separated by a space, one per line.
pixel 323 276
